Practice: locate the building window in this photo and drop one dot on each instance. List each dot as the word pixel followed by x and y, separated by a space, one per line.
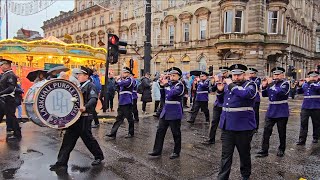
pixel 318 44
pixel 125 13
pixel 71 29
pixel 61 34
pixel 172 3
pixel 124 36
pixel 101 20
pixel 273 22
pixel 93 22
pixel 228 21
pixel 111 18
pixel 135 12
pixel 233 21
pixel 67 31
pixel 238 21
pixel 93 42
pixel 86 27
pixel 202 64
pixel 79 27
pixel 186 32
pixel 158 5
pixel 57 33
pixel 203 28
pixel 171 34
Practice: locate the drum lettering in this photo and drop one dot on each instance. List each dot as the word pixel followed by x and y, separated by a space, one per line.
pixel 60 103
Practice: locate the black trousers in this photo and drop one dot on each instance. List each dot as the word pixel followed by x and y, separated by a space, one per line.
pixel 204 108
pixel 242 141
pixel 215 122
pixel 156 105
pixel 95 117
pixel 144 106
pixel 11 119
pixel 101 96
pixel 135 111
pixel 82 128
pixel 194 102
pixel 124 111
pixel 162 102
pixel 185 100
pixel 256 109
pixel 175 126
pixel 109 100
pixel 315 118
pixel 282 128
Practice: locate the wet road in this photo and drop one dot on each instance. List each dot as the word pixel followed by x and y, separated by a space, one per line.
pixel 128 158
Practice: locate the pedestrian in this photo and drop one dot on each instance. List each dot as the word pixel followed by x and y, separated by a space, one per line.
pixel 217 106
pixel 310 107
pixel 277 89
pixel 185 80
pixel 135 111
pixel 156 93
pixel 253 77
pixel 126 84
pixel 190 91
pixel 194 92
pixel 146 85
pixel 8 83
pixel 237 120
pixel 82 127
pixel 293 88
pixel 96 81
pixel 202 98
pixel 171 114
pixel 40 77
pixel 111 90
pixel 73 77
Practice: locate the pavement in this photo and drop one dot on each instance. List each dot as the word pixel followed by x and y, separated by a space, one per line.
pixel 128 158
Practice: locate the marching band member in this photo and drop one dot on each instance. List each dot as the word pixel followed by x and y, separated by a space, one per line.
pixel 217 107
pixel 171 114
pixel 237 120
pixel 202 98
pixel 310 107
pixel 126 84
pixel 253 77
pixel 8 84
pixel 277 89
pixel 81 128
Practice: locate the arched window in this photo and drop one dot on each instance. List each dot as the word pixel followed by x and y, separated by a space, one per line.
pixel 203 63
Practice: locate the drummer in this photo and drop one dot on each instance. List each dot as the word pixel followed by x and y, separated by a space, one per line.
pixel 81 128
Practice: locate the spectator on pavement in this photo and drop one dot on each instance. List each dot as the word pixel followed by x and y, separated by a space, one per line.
pixel 146 85
pixel 111 90
pixel 156 93
pixel 185 79
pixel 73 78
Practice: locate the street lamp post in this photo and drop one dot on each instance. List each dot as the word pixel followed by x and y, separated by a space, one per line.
pixel 147 43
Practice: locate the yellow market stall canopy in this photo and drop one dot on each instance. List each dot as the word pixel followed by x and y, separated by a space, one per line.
pixel 35 54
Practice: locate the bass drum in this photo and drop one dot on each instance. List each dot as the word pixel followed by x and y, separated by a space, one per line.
pixel 29 102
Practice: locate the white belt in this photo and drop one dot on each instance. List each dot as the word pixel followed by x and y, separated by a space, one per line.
pixel 239 109
pixel 125 92
pixel 134 91
pixel 172 102
pixel 202 92
pixel 278 102
pixel 312 96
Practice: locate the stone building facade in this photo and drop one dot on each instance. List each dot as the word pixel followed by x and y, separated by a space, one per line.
pixel 193 34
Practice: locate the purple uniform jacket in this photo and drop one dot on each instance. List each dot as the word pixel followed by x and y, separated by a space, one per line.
pixel 257 80
pixel 218 102
pixel 125 93
pixel 237 111
pixel 311 92
pixel 172 109
pixel 203 91
pixel 135 88
pixel 278 93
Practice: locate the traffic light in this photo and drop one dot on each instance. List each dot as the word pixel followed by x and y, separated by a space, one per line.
pixel 290 70
pixel 131 64
pixel 113 48
pixel 211 70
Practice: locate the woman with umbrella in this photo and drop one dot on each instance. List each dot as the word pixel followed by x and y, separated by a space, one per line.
pixel 54 72
pixel 37 76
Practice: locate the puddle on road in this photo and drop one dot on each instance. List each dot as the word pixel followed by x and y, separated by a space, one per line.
pixel 9 173
pixel 79 169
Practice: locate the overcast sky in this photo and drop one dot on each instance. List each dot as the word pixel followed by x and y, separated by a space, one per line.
pixel 34 22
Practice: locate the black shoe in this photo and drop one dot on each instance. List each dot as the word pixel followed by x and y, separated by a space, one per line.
pixel 57 167
pixel 111 136
pixel 174 156
pixel 255 131
pixel 208 142
pixel 129 136
pixel 315 141
pixel 154 154
pixel 95 126
pixel 280 153
pixel 14 138
pixel 96 162
pixel 191 122
pixel 186 106
pixel 191 111
pixel 301 143
pixel 156 115
pixel 262 154
pixel 136 120
pixel 245 178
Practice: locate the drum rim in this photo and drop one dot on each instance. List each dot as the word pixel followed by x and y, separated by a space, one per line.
pixel 43 120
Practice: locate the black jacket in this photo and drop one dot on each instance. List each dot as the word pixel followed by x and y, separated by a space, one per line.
pixel 146 87
pixel 90 96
